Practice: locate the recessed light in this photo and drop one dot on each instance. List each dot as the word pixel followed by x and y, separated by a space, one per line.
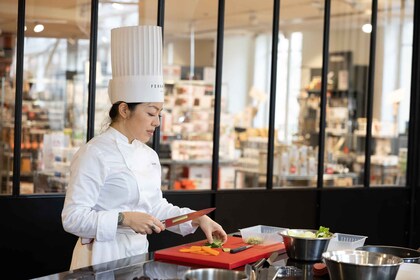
pixel 367 28
pixel 38 28
pixel 117 6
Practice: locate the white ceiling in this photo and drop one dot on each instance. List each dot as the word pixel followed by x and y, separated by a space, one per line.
pixel 71 18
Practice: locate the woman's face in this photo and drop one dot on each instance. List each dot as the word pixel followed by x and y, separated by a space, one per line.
pixel 140 123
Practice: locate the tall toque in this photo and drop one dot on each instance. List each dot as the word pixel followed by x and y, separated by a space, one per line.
pixel 136 58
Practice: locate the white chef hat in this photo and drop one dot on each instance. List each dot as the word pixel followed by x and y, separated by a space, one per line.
pixel 136 58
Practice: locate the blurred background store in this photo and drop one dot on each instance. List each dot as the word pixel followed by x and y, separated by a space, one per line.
pixel 56 76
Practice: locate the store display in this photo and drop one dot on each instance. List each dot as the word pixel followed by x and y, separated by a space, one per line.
pixel 187 128
pixel 345 124
pixel 46 147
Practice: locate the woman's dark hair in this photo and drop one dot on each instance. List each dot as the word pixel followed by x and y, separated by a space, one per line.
pixel 113 112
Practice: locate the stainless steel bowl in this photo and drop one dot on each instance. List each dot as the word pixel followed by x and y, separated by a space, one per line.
pixel 302 248
pixel 408 255
pixel 214 274
pixel 356 264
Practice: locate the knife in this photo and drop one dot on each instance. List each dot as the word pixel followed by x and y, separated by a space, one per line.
pixel 185 217
pixel 240 249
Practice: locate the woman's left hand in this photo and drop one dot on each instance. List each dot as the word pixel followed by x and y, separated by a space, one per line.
pixel 211 229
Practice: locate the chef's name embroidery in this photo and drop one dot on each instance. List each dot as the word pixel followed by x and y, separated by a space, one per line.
pixel 154 163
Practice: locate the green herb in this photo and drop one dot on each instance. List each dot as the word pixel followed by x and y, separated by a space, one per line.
pixel 323 232
pixel 217 243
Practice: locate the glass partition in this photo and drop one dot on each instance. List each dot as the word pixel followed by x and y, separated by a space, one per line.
pixel 391 106
pixel 189 75
pixel 8 30
pixel 298 94
pixel 346 92
pixel 55 93
pixel 246 88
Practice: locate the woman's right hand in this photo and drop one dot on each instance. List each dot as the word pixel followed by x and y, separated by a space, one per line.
pixel 142 223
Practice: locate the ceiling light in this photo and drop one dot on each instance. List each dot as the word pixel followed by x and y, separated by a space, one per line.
pixel 38 28
pixel 117 6
pixel 367 28
pixel 26 28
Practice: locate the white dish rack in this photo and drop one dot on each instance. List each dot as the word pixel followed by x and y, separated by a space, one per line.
pixel 343 241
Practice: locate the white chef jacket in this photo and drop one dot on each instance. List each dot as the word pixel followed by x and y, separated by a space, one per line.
pixel 109 175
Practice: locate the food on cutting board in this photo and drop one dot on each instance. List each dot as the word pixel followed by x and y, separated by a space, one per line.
pixel 201 250
pixel 322 232
pixel 254 240
pixel 217 243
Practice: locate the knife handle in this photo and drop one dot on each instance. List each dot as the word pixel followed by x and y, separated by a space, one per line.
pixel 240 249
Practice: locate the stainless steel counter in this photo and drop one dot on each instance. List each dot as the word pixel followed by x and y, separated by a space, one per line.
pixel 143 267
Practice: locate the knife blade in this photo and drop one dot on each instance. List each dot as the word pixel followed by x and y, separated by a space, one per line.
pixel 170 222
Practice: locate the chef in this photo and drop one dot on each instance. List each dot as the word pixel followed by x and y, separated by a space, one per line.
pixel 114 198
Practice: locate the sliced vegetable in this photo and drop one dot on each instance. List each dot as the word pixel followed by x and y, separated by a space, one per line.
pixel 226 250
pixel 201 250
pixel 217 243
pixel 201 253
pixel 191 249
pixel 210 250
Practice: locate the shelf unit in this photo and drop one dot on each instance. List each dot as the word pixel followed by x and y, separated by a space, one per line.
pixel 187 133
pixel 36 122
pixel 347 179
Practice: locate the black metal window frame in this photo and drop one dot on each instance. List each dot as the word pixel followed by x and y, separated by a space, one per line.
pixel 413 161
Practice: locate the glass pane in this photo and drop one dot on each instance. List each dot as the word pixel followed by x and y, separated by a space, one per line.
pixel 114 14
pixel 346 93
pixel 246 87
pixel 189 74
pixel 55 93
pixel 298 94
pixel 391 107
pixel 8 31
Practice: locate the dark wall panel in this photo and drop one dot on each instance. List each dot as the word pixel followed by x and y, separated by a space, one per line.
pixel 416 230
pixel 33 238
pixel 292 208
pixel 382 214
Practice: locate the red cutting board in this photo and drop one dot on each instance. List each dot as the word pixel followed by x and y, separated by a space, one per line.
pixel 224 259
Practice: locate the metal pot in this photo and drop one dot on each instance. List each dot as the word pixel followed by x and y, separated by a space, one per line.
pixel 408 255
pixel 214 274
pixel 358 264
pixel 303 248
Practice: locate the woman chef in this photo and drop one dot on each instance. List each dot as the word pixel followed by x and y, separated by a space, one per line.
pixel 114 198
